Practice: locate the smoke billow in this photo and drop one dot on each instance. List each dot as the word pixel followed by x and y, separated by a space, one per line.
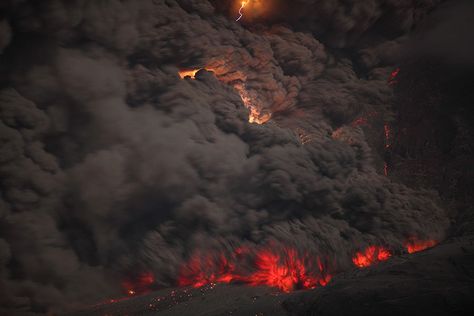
pixel 112 165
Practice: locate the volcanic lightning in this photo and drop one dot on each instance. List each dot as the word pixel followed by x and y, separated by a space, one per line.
pixel 243 4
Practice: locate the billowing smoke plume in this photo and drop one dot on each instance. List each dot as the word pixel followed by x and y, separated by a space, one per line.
pixel 339 23
pixel 113 165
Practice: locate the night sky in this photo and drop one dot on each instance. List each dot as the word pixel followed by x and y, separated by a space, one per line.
pixel 155 144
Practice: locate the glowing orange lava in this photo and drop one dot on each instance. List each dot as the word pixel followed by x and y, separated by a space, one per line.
pixel 188 73
pixel 286 271
pixel 255 116
pixel 414 245
pixel 371 255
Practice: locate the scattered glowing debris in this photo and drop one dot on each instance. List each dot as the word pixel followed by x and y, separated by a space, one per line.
pixel 370 256
pixel 414 245
pixel 387 132
pixel 243 4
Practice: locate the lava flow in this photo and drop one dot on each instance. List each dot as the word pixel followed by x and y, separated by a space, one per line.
pixel 371 255
pixel 286 271
pixel 255 115
pixel 414 245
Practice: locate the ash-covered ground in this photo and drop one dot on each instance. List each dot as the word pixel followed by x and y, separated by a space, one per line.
pixel 160 157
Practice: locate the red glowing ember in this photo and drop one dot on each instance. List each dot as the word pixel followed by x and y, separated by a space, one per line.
pixel 414 245
pixel 393 77
pixel 287 271
pixel 371 255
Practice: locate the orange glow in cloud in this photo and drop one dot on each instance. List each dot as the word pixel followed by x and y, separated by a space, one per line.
pixel 255 116
pixel 251 10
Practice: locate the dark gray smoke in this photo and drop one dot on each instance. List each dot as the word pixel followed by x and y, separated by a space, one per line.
pixel 111 163
pixel 341 23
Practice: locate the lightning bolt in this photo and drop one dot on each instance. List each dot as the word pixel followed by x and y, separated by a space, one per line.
pixel 244 3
